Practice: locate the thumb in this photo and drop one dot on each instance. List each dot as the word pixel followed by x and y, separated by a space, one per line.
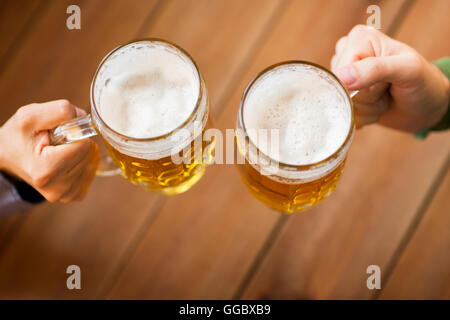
pixel 80 112
pixel 369 71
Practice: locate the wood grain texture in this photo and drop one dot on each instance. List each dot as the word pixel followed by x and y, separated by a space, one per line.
pixel 16 18
pixel 54 63
pixel 423 270
pixel 9 226
pixel 216 241
pixel 98 233
pixel 219 35
pixel 324 253
pixel 202 243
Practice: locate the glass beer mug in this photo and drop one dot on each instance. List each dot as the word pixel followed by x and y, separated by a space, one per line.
pixel 312 115
pixel 142 95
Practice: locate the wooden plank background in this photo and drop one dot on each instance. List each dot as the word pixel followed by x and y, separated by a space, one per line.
pixel 215 241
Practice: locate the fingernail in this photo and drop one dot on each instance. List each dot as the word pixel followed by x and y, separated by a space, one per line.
pixel 347 75
pixel 80 112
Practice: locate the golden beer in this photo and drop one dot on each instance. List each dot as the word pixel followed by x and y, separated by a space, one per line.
pixel 287 197
pixel 312 112
pixel 163 175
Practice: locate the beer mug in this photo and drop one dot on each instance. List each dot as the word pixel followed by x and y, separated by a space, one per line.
pixel 311 113
pixel 143 94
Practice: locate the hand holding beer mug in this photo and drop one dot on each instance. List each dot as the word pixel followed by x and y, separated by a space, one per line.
pixel 59 174
pixel 312 115
pixel 398 87
pixel 143 94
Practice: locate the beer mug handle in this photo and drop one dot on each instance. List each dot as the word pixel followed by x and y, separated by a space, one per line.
pixel 78 129
pixel 353 93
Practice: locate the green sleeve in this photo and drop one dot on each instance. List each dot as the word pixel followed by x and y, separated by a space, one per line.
pixel 444 65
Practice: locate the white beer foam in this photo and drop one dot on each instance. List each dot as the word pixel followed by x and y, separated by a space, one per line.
pixel 147 90
pixel 308 107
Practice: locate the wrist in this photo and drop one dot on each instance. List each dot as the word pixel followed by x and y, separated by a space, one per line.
pixel 442 114
pixel 26 192
pixel 5 164
pixel 442 121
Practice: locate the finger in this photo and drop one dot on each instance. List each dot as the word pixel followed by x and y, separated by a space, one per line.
pixel 75 179
pixel 45 116
pixel 363 109
pixel 69 195
pixel 80 112
pixel 357 46
pixel 63 158
pixel 82 178
pixel 340 44
pixel 372 94
pixel 62 186
pixel 372 70
pixel 87 178
pixel 78 166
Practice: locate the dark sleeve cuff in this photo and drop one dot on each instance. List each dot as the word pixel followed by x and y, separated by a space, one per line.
pixel 25 191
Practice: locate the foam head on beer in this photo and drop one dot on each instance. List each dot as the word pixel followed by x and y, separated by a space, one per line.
pixel 307 106
pixel 147 89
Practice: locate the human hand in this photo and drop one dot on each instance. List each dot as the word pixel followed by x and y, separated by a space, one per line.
pixel 60 173
pixel 398 87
